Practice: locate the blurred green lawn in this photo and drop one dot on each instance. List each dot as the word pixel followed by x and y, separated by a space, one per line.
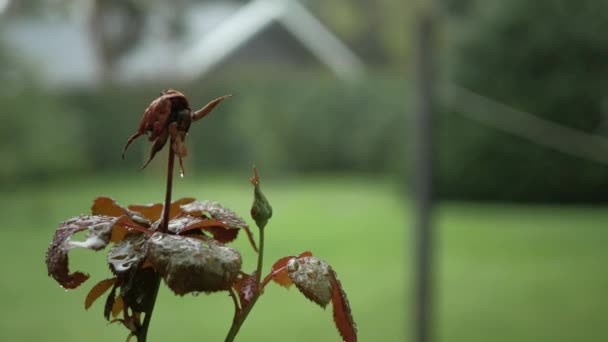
pixel 505 273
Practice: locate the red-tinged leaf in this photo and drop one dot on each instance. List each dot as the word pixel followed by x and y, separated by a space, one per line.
pixel 279 269
pixel 342 316
pixel 107 206
pixel 119 233
pixel 187 223
pixel 279 272
pixel 191 265
pixel 98 236
pixel 305 254
pixel 220 231
pixel 117 306
pixel 216 211
pixel 222 234
pixel 312 277
pixel 247 288
pixel 107 310
pixel 97 290
pixel 150 211
pixel 176 207
pixel 153 212
pixel 126 225
pixel 123 226
pixel 132 323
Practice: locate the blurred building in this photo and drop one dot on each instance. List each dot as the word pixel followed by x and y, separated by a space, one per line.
pixel 127 43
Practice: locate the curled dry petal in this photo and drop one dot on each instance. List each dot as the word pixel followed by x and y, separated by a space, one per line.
pixel 169 118
pixel 216 211
pixel 312 276
pixel 201 113
pixel 191 265
pixel 98 236
pixel 156 118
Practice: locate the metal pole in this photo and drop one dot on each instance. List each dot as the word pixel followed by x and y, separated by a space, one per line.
pixel 422 143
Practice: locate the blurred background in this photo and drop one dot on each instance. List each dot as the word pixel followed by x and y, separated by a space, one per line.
pixel 322 102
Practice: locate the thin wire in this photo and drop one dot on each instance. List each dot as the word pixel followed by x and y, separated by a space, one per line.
pixel 525 125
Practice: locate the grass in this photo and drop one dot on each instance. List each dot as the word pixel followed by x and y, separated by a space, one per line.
pixel 504 273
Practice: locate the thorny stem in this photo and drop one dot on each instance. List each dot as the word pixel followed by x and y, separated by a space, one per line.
pixel 239 318
pixel 163 228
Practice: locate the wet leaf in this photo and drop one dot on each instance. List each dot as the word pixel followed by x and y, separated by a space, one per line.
pixel 188 223
pixel 99 230
pixel 127 253
pixel 97 290
pixel 247 289
pixel 138 287
pixel 124 226
pixel 219 230
pixel 216 211
pixel 117 306
pixel 150 211
pixel 107 310
pixel 119 232
pixel 342 316
pixel 319 283
pixel 312 277
pixel 108 207
pixel 279 270
pixel 176 207
pixel 191 265
pixel 154 211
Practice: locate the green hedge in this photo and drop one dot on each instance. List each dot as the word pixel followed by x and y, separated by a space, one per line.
pixel 546 57
pixel 305 124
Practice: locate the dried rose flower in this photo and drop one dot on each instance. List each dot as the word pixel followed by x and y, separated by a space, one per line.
pixel 169 116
